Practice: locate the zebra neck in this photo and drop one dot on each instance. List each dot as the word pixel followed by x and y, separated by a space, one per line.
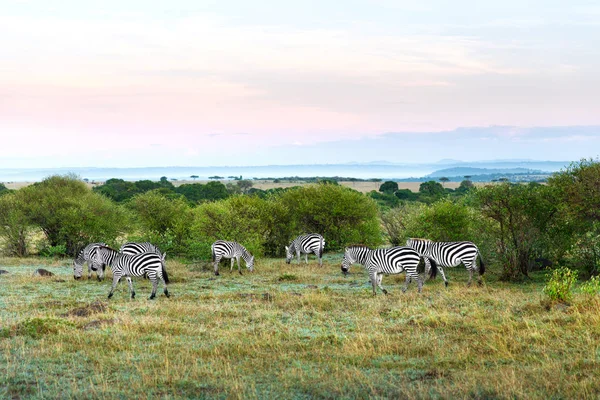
pixel 246 255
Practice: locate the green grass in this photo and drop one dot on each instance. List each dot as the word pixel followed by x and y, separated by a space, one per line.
pixel 289 331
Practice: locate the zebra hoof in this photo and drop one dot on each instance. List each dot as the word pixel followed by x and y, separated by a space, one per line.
pixel 217 274
pixel 110 295
pixel 133 295
pixel 167 294
pixel 446 283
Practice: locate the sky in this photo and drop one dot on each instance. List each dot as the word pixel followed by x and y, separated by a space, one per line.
pixel 128 83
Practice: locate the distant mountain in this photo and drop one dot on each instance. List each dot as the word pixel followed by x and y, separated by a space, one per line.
pixel 469 171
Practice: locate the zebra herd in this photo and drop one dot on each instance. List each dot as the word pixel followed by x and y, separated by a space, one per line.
pixel 145 259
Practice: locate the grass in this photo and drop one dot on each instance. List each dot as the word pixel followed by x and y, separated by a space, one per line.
pixel 289 331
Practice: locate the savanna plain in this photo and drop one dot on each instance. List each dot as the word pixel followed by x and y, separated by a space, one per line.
pixel 291 332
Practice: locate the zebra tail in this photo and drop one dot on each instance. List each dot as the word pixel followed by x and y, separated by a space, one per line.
pixel 481 265
pixel 433 270
pixel 165 275
pixel 321 248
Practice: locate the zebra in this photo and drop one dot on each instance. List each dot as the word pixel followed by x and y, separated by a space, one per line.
pixel 87 255
pixel 381 262
pixel 128 265
pixel 306 244
pixel 234 250
pixel 449 254
pixel 137 248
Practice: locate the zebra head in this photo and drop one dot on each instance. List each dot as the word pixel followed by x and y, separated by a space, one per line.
pixel 250 264
pixel 77 269
pixel 288 255
pixel 347 261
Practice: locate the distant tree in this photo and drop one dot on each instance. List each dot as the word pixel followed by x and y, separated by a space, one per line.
pixel 194 177
pixel 3 189
pixel 465 186
pixel 431 188
pixel 467 177
pixel 388 187
pixel 444 179
pixel 503 179
pixel 215 177
pixel 86 180
pixel 244 185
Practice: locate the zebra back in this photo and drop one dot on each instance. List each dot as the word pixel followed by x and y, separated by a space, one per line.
pixel 304 244
pixel 141 247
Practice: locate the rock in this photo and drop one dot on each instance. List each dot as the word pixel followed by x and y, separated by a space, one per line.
pixel 43 272
pixel 3 272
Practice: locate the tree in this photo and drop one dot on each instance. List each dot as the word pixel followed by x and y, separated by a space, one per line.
pixel 523 216
pixel 245 185
pixel 342 215
pixel 70 214
pixel 14 225
pixel 194 177
pixel 431 189
pixel 444 179
pixel 215 177
pixel 388 187
pixel 165 221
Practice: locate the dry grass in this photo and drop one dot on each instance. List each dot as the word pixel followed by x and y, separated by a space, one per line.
pixel 290 331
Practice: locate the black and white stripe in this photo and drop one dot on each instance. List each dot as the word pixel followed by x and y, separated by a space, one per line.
pixel 137 248
pixel 235 251
pixel 306 244
pixel 87 255
pixel 355 254
pixel 449 254
pixel 381 262
pixel 128 265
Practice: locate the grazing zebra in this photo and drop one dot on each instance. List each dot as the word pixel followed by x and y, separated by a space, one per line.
pixel 137 248
pixel 222 249
pixel 381 262
pixel 128 265
pixel 362 254
pixel 306 244
pixel 87 255
pixel 449 254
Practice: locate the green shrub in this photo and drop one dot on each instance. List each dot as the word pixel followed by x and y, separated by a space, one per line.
pixel 53 251
pixel 592 286
pixel 560 284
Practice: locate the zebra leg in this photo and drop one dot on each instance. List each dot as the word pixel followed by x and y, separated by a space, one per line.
pixel 116 279
pixel 239 268
pixel 166 290
pixel 89 264
pixel 379 278
pixel 373 276
pixel 306 258
pixel 232 261
pixel 298 254
pixel 320 259
pixel 217 259
pixel 406 282
pixel 154 287
pixel 441 272
pixel 130 283
pixel 419 282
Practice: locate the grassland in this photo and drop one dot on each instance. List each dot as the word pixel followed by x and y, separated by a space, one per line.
pixel 289 331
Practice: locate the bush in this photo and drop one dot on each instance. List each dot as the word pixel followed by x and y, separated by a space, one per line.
pixel 163 221
pixel 592 286
pixel 70 214
pixel 560 284
pixel 342 215
pixel 14 225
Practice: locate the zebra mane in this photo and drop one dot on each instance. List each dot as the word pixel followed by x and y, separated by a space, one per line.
pixel 106 247
pixel 421 240
pixel 358 246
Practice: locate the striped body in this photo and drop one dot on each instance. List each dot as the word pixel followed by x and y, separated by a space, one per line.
pixel 87 254
pixel 449 254
pixel 390 261
pixel 233 250
pixel 306 244
pixel 137 248
pixel 128 265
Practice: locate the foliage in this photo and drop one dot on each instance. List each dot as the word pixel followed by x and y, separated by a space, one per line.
pixel 244 219
pixel 197 192
pixel 388 187
pixel 245 185
pixel 431 191
pixel 53 251
pixel 591 287
pixel 559 286
pixel 14 225
pixel 4 189
pixel 401 223
pixel 342 215
pixel 164 221
pixel 384 200
pixel 523 218
pixel 70 214
pixel 585 251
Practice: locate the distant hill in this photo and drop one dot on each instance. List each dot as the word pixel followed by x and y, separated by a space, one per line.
pixel 469 171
